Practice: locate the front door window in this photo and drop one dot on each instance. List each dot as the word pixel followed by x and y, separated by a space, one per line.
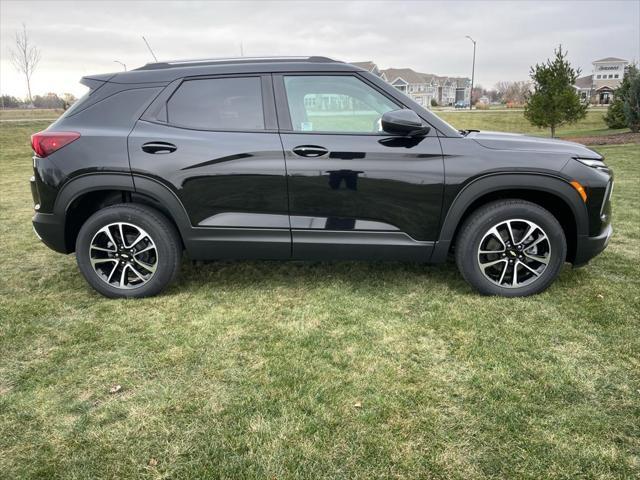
pixel 334 103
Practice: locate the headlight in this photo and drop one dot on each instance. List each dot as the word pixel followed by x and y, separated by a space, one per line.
pixel 593 163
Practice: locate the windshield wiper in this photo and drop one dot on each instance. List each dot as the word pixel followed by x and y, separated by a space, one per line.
pixel 467 132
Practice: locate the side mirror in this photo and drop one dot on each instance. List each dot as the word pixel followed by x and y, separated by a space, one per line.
pixel 404 122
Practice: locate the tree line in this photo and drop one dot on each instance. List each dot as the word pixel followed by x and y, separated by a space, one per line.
pixel 50 100
pixel 509 93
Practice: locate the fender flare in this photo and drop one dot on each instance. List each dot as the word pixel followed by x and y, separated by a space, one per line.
pixel 507 181
pixel 92 182
pixel 167 198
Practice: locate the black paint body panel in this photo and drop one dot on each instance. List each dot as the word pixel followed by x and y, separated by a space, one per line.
pixel 246 194
pixel 366 178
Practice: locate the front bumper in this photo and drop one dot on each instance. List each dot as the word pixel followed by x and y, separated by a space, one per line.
pixel 589 247
pixel 50 229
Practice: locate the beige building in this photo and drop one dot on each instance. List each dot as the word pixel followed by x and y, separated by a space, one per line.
pixel 607 74
pixel 423 87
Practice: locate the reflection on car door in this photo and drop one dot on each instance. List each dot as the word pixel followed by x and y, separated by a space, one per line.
pixel 354 191
pixel 214 143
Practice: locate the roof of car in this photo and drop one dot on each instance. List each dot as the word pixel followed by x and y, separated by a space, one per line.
pixel 232 61
pixel 164 72
pixel 160 74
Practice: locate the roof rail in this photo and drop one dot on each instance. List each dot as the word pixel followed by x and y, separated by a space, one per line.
pixel 232 60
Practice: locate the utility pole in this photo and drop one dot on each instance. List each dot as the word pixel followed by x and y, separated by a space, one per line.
pixel 149 47
pixel 473 71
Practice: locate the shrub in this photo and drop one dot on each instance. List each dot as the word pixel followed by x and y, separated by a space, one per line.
pixel 624 111
pixel 615 114
pixel 631 104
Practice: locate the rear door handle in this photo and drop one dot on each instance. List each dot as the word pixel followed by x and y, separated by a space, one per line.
pixel 310 151
pixel 159 147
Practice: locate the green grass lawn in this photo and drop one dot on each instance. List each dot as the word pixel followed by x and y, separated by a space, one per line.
pixel 316 370
pixel 29 114
pixel 514 121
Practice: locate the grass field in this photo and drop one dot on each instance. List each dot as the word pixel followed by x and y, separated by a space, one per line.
pixel 22 114
pixel 514 121
pixel 274 370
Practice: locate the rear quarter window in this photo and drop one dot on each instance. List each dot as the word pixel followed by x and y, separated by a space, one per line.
pixel 218 104
pixel 77 104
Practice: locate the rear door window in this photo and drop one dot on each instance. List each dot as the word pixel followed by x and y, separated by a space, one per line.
pixel 218 104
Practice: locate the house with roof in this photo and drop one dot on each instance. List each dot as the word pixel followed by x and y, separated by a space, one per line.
pixel 606 75
pixel 423 87
pixel 369 66
pixel 419 86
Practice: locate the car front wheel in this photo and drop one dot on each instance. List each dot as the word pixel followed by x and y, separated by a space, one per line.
pixel 511 248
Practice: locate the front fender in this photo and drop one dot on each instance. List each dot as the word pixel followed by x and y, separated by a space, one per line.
pixel 496 182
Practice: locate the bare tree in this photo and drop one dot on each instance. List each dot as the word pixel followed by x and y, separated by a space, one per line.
pixel 513 92
pixel 25 57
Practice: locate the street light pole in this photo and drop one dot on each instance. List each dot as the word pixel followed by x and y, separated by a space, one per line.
pixel 473 71
pixel 118 61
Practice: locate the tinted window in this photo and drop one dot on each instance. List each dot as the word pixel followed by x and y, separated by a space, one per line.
pixel 218 104
pixel 77 104
pixel 339 103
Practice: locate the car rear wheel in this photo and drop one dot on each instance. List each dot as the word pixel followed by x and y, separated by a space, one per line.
pixel 511 248
pixel 128 251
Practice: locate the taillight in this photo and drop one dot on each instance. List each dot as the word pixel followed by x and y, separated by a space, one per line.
pixel 45 143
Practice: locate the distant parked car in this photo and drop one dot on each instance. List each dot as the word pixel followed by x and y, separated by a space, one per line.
pixel 303 158
pixel 461 104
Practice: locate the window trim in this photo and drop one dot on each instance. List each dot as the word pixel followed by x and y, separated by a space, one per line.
pixel 160 104
pixel 284 115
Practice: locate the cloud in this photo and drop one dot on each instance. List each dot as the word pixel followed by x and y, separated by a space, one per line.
pixel 81 38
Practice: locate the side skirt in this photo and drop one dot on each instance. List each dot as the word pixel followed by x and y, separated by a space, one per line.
pixel 339 245
pixel 204 243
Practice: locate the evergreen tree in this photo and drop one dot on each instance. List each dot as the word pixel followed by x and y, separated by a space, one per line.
pixel 615 117
pixel 554 101
pixel 631 104
pixel 615 112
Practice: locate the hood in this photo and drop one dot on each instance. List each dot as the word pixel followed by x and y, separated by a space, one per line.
pixel 518 142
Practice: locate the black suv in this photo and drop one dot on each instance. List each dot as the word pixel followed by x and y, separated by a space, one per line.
pixel 302 158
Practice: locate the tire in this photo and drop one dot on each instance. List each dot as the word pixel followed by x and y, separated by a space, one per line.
pixel 487 253
pixel 143 265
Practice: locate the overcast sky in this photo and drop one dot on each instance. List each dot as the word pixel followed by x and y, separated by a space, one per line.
pixel 81 38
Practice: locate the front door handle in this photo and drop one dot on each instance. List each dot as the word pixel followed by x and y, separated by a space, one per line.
pixel 159 147
pixel 310 151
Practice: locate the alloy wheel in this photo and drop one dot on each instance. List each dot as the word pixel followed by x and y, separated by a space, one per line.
pixel 514 253
pixel 123 255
